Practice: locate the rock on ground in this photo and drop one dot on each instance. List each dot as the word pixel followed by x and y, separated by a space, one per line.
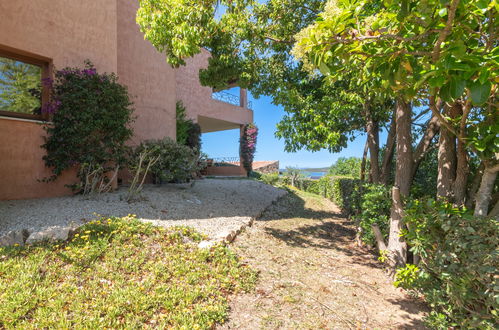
pixel 55 233
pixel 14 237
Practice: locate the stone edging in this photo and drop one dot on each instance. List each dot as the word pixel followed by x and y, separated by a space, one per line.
pixel 228 237
pixel 62 233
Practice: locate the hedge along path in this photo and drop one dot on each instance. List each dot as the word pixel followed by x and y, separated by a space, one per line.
pixel 313 275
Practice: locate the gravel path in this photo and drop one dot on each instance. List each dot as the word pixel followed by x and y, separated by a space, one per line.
pixel 211 206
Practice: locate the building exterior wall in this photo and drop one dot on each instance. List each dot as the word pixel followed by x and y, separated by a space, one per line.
pixel 197 98
pixel 66 32
pixel 150 80
pixel 234 170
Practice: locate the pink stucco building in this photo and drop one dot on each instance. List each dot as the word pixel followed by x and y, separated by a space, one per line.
pixel 58 33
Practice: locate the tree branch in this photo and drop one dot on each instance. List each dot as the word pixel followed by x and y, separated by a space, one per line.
pixel 445 32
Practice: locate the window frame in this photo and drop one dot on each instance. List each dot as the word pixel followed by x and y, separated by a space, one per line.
pixel 46 67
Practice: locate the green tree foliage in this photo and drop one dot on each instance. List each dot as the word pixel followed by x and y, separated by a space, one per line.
pixel 375 204
pixel 20 86
pixel 251 45
pixel 346 167
pixel 293 175
pixel 443 51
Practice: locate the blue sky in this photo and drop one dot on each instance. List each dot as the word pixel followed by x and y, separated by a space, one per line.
pixel 266 116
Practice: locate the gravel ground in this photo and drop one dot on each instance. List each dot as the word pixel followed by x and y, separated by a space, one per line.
pixel 211 206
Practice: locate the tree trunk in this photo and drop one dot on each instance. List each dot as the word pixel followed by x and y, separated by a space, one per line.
pixel 495 211
pixel 470 199
pixel 485 192
pixel 446 162
pixel 462 171
pixel 424 144
pixel 372 130
pixel 397 248
pixel 389 149
pixel 364 161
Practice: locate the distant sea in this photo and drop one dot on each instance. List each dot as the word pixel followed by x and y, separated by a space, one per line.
pixel 309 174
pixel 314 175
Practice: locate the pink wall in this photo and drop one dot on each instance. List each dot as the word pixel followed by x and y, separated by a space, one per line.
pixel 67 32
pixel 197 98
pixel 150 80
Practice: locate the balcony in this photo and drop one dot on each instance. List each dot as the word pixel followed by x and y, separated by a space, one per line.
pixel 240 100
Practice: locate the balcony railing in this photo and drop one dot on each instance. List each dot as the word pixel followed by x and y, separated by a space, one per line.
pixel 224 161
pixel 230 98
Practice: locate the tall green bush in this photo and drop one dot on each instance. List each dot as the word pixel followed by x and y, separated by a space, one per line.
pixel 346 167
pixel 345 192
pixel 457 274
pixel 375 204
pixel 91 116
pixel 188 132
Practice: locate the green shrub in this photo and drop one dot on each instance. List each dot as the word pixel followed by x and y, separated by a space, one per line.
pixel 188 132
pixel 345 192
pixel 457 274
pixel 177 163
pixel 91 116
pixel 270 178
pixel 374 209
pixel 320 187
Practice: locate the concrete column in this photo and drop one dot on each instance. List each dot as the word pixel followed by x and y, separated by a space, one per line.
pixel 243 97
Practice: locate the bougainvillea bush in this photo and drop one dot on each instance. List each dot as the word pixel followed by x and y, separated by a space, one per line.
pixel 91 115
pixel 248 146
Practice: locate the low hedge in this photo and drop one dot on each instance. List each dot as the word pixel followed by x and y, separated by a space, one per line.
pixel 343 191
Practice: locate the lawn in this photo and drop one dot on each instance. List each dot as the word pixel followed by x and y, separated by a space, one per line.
pixel 120 272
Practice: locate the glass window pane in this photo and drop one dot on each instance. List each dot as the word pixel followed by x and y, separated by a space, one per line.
pixel 20 87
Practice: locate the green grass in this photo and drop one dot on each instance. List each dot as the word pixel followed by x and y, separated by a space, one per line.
pixel 116 273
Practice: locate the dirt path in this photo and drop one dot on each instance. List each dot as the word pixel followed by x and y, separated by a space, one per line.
pixel 313 276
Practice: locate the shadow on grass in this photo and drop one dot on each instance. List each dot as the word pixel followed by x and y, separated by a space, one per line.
pixel 331 230
pixel 292 222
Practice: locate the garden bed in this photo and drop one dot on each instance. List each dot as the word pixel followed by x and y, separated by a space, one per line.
pixel 211 206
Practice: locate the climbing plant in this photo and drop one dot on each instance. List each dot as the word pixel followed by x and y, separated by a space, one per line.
pixel 248 146
pixel 91 115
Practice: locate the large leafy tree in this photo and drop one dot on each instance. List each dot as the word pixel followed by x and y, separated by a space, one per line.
pixel 251 45
pixel 443 53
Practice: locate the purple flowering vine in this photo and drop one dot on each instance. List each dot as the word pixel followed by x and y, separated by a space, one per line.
pixel 248 146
